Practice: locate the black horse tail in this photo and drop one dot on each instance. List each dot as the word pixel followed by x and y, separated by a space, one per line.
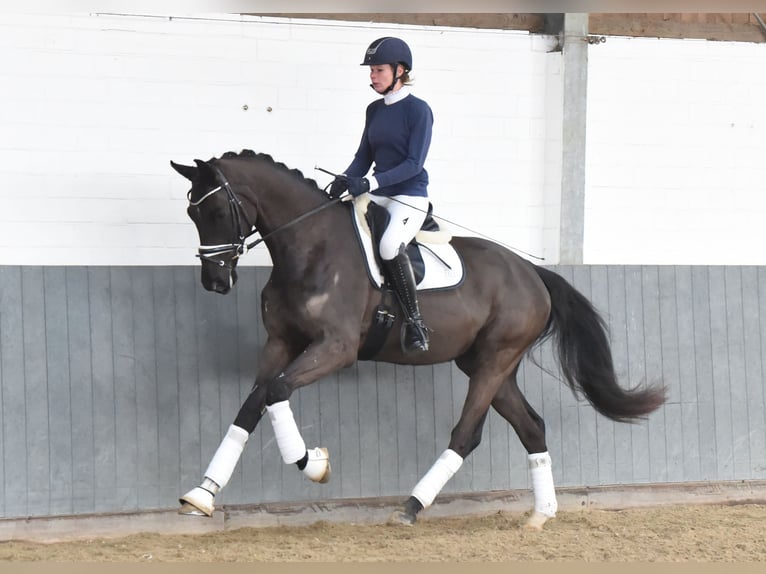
pixel 585 357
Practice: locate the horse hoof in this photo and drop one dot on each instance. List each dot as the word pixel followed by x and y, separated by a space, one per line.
pixel 402 517
pixel 318 466
pixel 197 502
pixel 536 521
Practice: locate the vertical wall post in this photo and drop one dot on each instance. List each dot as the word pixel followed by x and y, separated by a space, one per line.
pixel 575 70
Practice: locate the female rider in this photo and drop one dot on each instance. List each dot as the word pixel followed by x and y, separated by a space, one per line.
pixel 396 138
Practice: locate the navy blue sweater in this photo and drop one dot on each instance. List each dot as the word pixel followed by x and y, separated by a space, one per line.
pixel 396 139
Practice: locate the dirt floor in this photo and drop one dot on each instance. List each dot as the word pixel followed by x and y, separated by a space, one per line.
pixel 707 533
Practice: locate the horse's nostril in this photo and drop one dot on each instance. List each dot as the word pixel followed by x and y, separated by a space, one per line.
pixel 221 287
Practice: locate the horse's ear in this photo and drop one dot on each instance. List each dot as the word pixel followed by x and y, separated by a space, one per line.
pixel 189 172
pixel 205 171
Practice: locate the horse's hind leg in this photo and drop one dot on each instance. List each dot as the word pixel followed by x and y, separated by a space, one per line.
pixel 530 428
pixel 466 436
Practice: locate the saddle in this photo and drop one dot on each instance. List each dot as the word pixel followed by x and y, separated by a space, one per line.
pixel 436 264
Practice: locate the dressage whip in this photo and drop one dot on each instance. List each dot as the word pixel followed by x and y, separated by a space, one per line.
pixel 316 167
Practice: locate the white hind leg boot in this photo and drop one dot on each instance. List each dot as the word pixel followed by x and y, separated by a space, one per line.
pixel 543 489
pixel 437 476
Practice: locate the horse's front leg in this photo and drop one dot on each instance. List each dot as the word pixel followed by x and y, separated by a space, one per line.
pixel 319 359
pixel 272 396
pixel 200 500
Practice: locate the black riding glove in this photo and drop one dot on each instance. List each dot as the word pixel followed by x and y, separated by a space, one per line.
pixel 339 185
pixel 358 185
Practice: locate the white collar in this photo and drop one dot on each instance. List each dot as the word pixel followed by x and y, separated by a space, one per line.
pixel 397 96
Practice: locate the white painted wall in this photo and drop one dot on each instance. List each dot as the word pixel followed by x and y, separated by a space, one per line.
pixel 93 108
pixel 676 153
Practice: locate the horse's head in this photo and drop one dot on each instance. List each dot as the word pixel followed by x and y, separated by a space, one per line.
pixel 221 221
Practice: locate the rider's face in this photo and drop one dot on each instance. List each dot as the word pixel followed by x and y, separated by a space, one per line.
pixel 381 77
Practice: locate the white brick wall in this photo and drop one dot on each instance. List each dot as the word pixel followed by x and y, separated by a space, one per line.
pixel 676 153
pixel 93 107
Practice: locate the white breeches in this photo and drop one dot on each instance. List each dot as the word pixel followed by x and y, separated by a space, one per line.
pixel 407 215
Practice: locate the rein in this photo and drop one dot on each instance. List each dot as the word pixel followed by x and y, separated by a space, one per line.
pixel 240 246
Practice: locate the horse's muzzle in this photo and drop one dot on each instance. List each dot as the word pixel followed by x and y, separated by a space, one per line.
pixel 221 281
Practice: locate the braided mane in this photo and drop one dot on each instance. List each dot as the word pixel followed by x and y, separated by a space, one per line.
pixel 248 154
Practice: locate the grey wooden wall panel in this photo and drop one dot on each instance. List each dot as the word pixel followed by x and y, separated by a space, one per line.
pixel 671 470
pixel 737 375
pixel 703 353
pixel 694 370
pixel 102 365
pixel 388 423
pixel 147 418
pixel 721 381
pixel 59 392
pixel 756 300
pixel 652 337
pixel 14 463
pixel 168 400
pixel 369 458
pixel 36 389
pixel 81 385
pixel 125 408
pixel 188 383
pixel 119 383
pixel 406 429
pixel 350 441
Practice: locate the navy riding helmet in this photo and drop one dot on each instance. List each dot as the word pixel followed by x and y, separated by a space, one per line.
pixel 388 50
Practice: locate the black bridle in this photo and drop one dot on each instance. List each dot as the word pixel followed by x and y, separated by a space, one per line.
pixel 239 245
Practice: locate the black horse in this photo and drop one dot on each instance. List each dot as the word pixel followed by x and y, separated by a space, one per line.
pixel 318 307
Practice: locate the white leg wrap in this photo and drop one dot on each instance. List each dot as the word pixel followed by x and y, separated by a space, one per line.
pixel 289 439
pixel 437 476
pixel 226 457
pixel 542 483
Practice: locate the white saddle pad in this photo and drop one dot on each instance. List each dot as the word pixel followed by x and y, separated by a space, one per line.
pixel 443 266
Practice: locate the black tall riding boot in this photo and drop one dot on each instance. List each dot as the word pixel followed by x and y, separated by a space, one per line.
pixel 401 276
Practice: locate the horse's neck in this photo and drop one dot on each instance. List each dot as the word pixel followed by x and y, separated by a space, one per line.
pixel 289 241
